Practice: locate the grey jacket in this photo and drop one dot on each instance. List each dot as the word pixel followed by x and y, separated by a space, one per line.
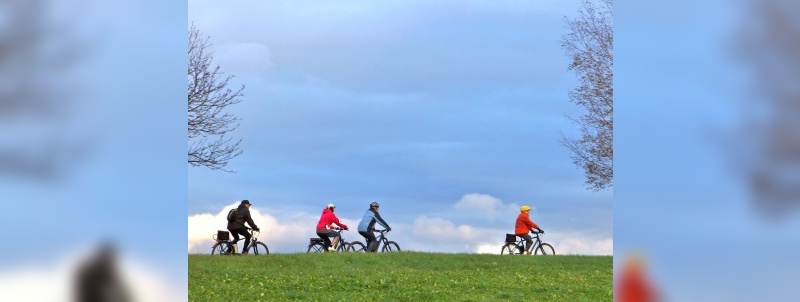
pixel 369 220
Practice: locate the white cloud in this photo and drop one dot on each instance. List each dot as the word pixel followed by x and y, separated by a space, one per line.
pixel 484 205
pixel 441 235
pixel 580 243
pixel 481 203
pixel 290 234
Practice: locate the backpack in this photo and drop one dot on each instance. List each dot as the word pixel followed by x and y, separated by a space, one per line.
pixel 232 215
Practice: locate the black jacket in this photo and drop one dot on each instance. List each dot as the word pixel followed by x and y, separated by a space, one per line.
pixel 242 216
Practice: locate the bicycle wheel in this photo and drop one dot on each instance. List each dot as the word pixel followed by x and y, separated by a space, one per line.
pixel 358 247
pixel 258 248
pixel 220 249
pixel 510 249
pixel 316 248
pixel 545 249
pixel 390 246
pixel 343 247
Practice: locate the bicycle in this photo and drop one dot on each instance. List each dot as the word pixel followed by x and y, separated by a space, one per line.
pixel 388 246
pixel 317 245
pixel 515 248
pixel 226 247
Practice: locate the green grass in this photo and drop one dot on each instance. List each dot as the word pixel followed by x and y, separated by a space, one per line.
pixel 407 276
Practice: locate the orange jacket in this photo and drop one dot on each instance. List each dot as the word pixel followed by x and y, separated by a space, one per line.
pixel 524 224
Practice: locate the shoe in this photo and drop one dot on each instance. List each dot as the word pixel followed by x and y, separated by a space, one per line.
pixel 330 249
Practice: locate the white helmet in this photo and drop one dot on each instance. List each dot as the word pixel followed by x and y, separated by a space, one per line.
pixel 331 206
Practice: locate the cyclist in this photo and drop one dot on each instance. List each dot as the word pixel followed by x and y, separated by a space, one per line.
pixel 368 222
pixel 525 225
pixel 236 227
pixel 328 219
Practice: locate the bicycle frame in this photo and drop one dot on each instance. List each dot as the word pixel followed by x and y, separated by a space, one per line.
pixel 381 240
pixel 537 241
pixel 339 243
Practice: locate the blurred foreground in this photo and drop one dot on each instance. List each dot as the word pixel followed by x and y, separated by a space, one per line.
pixel 708 147
pixel 92 149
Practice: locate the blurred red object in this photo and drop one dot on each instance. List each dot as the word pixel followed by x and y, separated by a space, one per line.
pixel 633 284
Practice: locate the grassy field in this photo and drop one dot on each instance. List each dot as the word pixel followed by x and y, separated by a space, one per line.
pixel 407 276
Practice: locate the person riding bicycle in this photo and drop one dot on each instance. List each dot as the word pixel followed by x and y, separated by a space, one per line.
pixel 328 219
pixel 236 226
pixel 368 223
pixel 525 225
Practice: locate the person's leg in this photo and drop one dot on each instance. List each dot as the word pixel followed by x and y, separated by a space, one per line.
pixel 371 241
pixel 234 235
pixel 247 237
pixel 235 238
pixel 324 235
pixel 335 236
pixel 243 232
pixel 528 241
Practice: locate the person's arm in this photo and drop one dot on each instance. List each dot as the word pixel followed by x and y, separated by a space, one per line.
pixel 336 221
pixel 531 224
pixel 249 220
pixel 380 220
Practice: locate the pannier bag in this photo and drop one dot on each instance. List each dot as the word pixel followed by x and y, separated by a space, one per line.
pixel 223 236
pixel 511 238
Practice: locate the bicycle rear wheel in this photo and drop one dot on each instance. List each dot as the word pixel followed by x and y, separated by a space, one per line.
pixel 221 248
pixel 358 247
pixel 258 248
pixel 391 246
pixel 545 249
pixel 316 247
pixel 510 249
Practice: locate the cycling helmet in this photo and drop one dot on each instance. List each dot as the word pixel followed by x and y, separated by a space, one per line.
pixel 331 206
pixel 374 205
pixel 524 208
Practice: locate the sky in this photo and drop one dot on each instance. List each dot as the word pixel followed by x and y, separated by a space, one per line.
pixel 95 159
pixel 447 114
pixel 684 94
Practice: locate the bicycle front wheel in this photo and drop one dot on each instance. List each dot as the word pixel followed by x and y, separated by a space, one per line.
pixel 391 246
pixel 219 249
pixel 316 248
pixel 510 249
pixel 343 247
pixel 259 248
pixel 545 249
pixel 358 247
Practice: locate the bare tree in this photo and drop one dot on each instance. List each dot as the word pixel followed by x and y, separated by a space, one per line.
pixel 209 96
pixel 766 148
pixel 589 44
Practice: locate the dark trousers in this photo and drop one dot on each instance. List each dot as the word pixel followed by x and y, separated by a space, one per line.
pixel 326 236
pixel 372 242
pixel 243 232
pixel 528 240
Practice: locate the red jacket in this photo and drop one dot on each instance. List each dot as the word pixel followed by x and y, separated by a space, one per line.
pixel 327 218
pixel 524 224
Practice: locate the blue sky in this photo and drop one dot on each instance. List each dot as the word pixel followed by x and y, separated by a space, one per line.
pixel 422 106
pixel 681 199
